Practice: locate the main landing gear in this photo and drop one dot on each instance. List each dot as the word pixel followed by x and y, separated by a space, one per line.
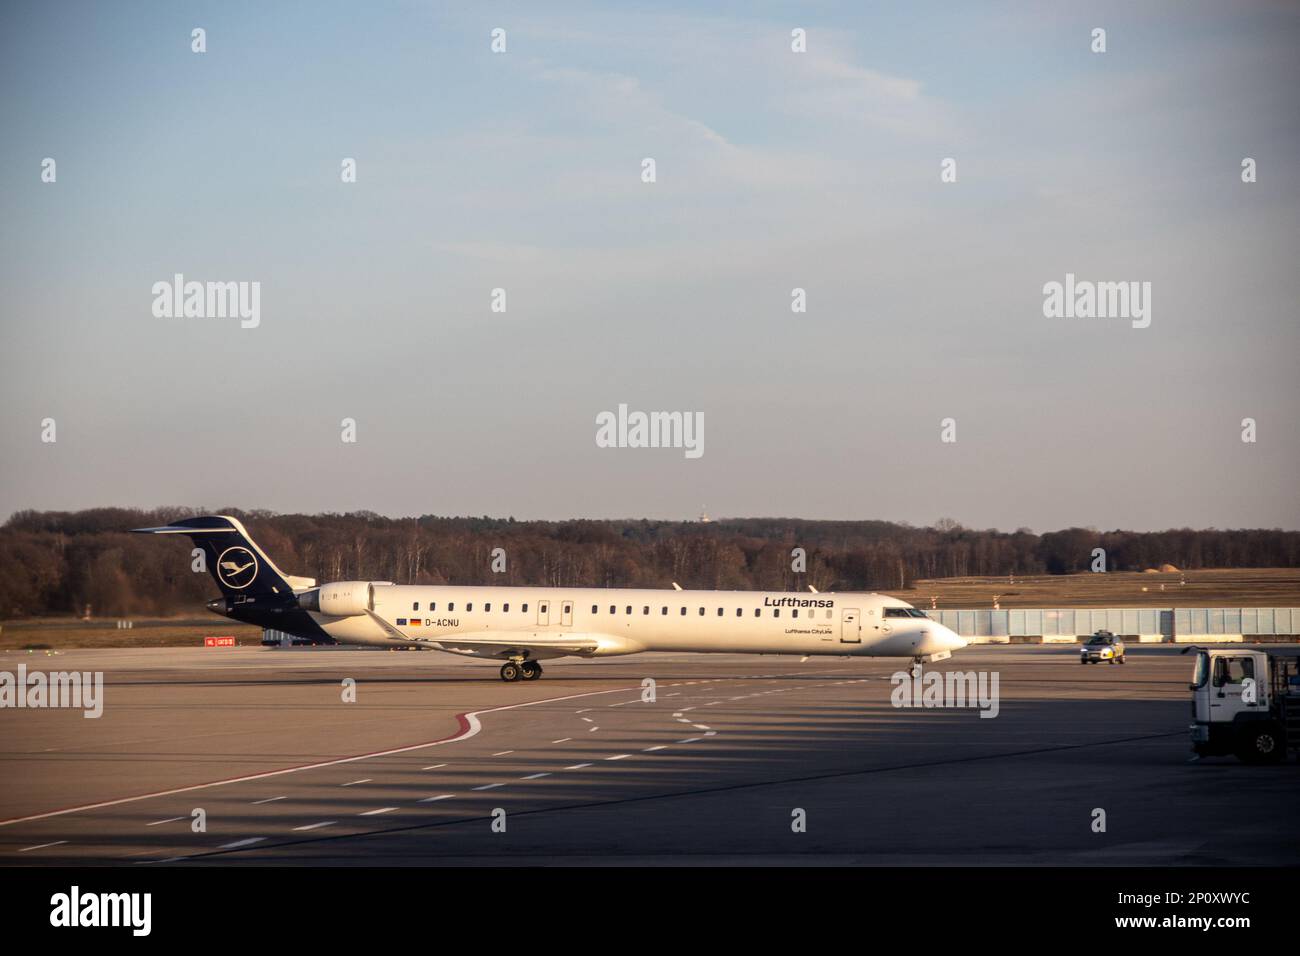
pixel 520 670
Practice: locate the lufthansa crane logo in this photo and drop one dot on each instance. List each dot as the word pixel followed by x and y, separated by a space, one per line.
pixel 237 567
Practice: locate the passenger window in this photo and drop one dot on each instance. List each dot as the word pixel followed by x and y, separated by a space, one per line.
pixel 613 609
pixel 523 609
pixel 758 612
pixel 594 609
pixel 487 608
pixel 719 612
pixel 646 609
pixel 433 605
pixel 505 608
pixel 776 612
pixel 664 609
pixel 469 606
pixel 683 612
pixel 794 613
pixel 415 606
pixel 451 605
pixel 701 612
pixel 629 609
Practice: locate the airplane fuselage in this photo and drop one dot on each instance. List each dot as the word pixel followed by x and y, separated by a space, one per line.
pixel 627 621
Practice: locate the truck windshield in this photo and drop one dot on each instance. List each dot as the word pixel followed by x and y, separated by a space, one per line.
pixel 1202 672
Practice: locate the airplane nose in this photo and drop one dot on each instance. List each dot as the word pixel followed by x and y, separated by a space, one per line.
pixel 954 641
pixel 936 639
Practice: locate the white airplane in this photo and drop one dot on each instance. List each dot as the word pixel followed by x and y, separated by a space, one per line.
pixel 522 626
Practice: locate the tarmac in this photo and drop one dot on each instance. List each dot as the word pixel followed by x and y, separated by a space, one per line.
pixel 246 756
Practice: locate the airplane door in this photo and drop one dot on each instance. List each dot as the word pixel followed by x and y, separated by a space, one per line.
pixel 850 626
pixel 566 613
pixel 544 612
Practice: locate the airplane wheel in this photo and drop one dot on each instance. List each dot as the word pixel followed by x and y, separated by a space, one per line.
pixel 531 670
pixel 510 671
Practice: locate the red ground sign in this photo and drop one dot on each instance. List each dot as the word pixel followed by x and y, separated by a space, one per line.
pixel 218 642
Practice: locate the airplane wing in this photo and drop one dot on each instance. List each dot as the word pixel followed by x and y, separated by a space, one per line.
pixel 499 644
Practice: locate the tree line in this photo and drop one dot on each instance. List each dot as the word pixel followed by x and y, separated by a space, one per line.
pixel 62 562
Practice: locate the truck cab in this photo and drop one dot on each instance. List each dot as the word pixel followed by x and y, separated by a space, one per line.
pixel 1246 702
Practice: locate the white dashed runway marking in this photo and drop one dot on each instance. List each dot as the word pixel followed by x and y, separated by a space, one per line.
pixel 238 843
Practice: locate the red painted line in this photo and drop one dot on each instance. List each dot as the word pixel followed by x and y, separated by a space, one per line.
pixel 467 723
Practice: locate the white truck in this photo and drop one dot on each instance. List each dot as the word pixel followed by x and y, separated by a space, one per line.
pixel 1246 702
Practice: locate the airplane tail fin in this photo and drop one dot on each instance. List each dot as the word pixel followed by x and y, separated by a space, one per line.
pixel 241 569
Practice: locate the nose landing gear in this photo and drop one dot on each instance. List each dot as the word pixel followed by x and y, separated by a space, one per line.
pixel 520 670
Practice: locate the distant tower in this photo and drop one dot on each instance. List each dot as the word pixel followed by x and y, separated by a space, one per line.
pixel 704 516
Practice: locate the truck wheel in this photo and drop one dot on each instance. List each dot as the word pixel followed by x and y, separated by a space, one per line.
pixel 1262 744
pixel 1121 659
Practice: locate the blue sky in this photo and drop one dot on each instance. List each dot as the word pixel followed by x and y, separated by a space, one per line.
pixel 775 170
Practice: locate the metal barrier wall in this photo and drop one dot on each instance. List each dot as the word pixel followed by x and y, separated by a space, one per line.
pixel 1067 622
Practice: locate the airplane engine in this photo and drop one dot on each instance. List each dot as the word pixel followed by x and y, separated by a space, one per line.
pixel 338 598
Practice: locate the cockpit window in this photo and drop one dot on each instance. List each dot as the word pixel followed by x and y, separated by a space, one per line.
pixel 903 612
